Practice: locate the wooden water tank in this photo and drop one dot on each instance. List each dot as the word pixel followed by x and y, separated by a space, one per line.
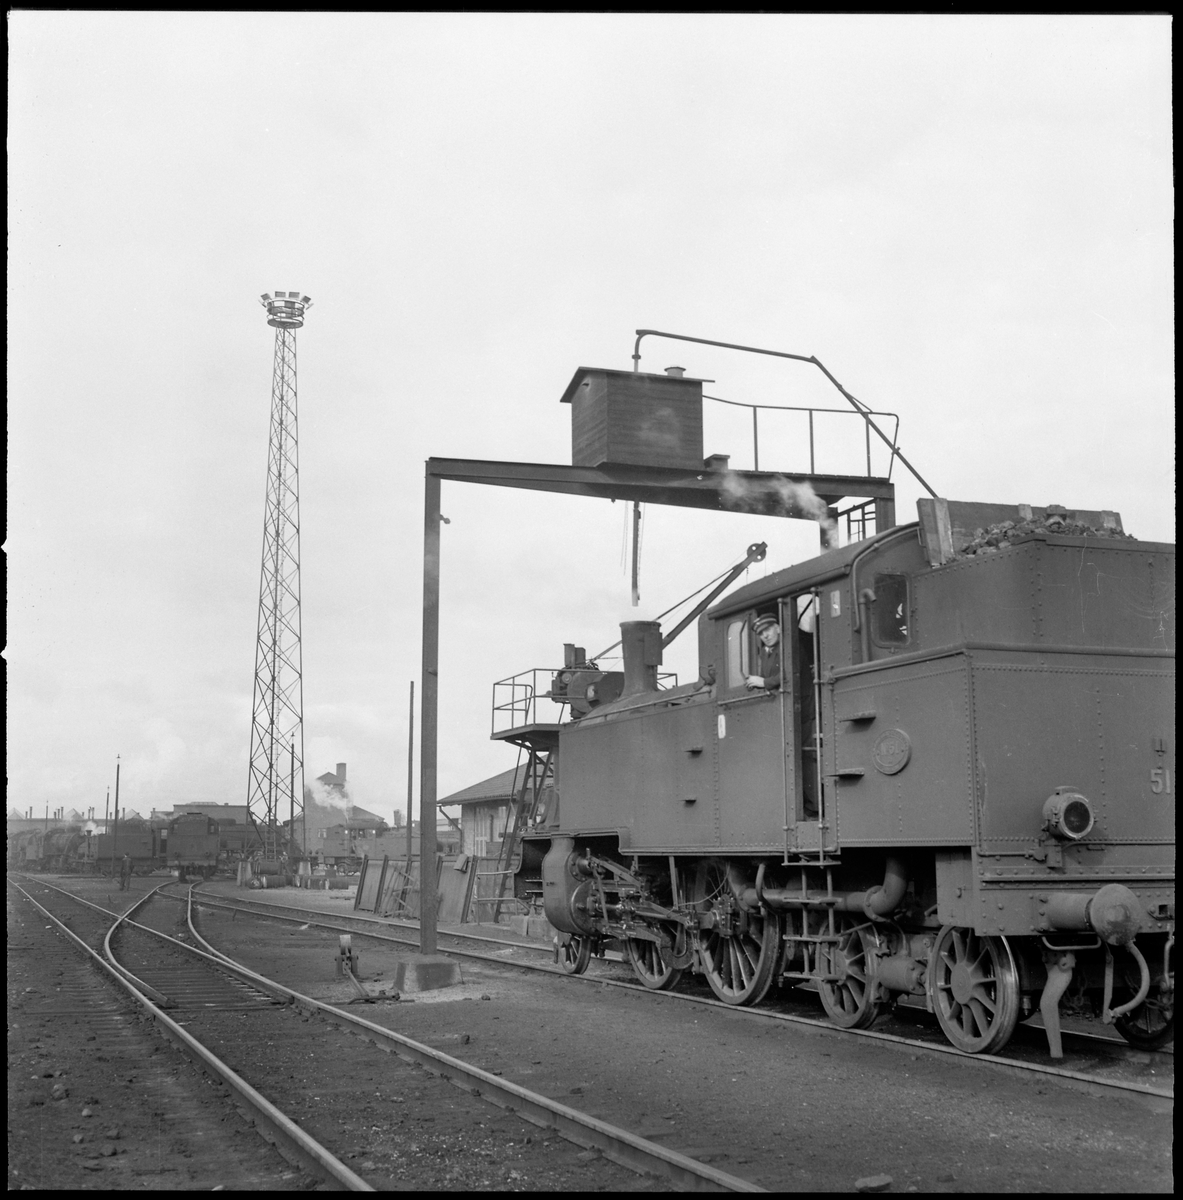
pixel 634 417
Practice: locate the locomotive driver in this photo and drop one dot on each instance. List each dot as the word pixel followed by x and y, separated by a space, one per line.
pixel 767 656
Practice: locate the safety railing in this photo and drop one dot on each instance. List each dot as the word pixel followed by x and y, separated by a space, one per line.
pixel 866 414
pixel 811 413
pixel 527 699
pixel 860 521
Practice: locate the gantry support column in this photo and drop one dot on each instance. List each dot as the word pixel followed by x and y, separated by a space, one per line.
pixel 429 710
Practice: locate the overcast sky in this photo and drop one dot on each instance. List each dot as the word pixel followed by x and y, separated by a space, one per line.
pixel 968 219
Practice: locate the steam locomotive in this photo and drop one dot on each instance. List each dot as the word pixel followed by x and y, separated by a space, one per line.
pixel 193 844
pixel 956 783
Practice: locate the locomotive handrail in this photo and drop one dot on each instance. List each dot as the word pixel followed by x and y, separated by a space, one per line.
pixel 951 651
pixel 752 698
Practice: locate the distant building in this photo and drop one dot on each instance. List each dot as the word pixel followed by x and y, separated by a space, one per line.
pixel 486 810
pixel 334 784
pixel 321 817
pixel 239 814
pixel 20 822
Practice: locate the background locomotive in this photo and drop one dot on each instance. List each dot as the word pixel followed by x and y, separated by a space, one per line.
pixel 54 849
pixel 193 843
pixel 957 784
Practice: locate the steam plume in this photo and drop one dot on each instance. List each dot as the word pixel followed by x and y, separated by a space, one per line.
pixel 328 797
pixel 776 497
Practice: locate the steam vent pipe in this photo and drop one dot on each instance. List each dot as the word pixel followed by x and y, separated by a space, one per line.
pixel 641 646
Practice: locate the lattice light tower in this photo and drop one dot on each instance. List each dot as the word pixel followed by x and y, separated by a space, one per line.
pixel 277 730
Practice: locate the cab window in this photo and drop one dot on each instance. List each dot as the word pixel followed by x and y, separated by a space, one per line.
pixel 738 667
pixel 890 622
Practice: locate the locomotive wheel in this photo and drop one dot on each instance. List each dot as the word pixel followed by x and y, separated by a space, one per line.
pixel 852 1000
pixel 974 987
pixel 739 967
pixel 1150 1026
pixel 574 954
pixel 651 965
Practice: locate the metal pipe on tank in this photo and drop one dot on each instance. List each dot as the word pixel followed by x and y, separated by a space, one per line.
pixel 641 647
pixel 817 725
pixel 862 614
pixel 883 900
pixel 879 901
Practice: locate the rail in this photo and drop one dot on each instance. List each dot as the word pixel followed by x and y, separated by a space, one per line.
pixel 275 1125
pixel 989 1061
pixel 619 1145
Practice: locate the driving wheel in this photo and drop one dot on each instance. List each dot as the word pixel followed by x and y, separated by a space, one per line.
pixel 651 964
pixel 851 996
pixel 974 987
pixel 574 953
pixel 741 955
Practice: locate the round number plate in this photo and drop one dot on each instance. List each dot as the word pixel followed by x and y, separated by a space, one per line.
pixel 892 750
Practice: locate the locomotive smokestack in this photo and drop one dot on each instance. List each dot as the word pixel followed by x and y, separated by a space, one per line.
pixel 641 646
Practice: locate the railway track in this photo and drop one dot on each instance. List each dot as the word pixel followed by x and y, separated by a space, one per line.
pixel 171 979
pixel 1022 1055
pixel 274 1125
pixel 107 1103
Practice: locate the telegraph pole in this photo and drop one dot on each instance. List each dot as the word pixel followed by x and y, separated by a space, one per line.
pixel 115 827
pixel 410 773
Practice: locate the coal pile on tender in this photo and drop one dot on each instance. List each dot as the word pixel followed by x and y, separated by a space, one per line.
pixel 995 537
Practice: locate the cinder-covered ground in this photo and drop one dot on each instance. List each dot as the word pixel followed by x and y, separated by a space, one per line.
pixel 97 1099
pixel 793 1108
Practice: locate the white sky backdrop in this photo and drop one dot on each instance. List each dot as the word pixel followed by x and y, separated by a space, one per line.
pixel 967 219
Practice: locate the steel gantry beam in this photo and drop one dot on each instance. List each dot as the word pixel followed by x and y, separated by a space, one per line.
pixel 769 493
